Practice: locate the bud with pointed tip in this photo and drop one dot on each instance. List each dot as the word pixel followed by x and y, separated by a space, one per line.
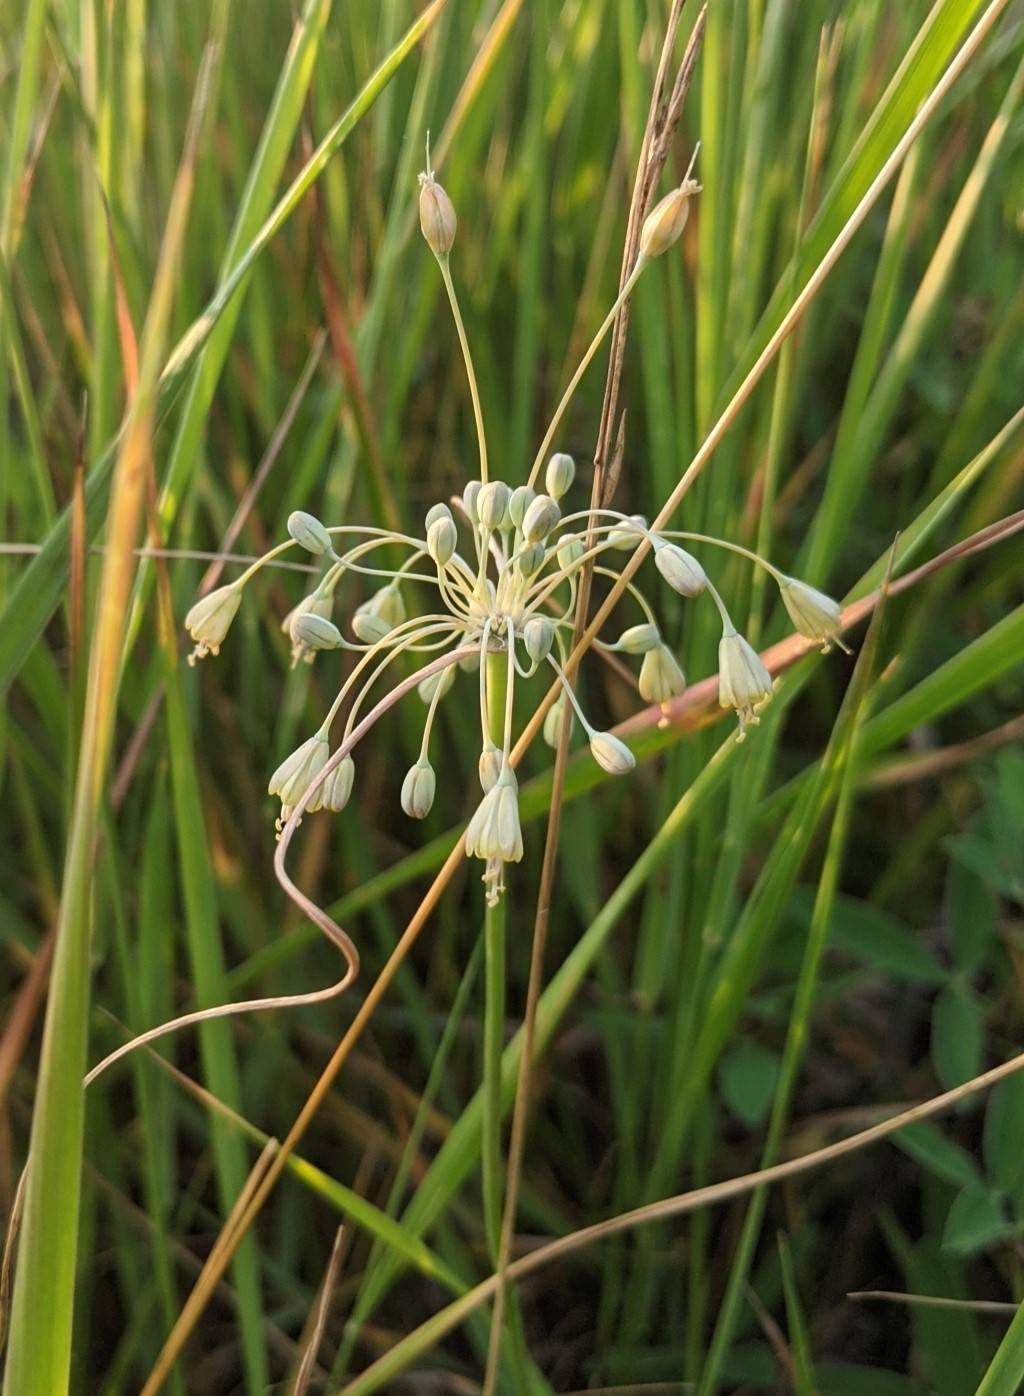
pixel 442 538
pixel 570 551
pixel 530 558
pixel 743 681
pixel 209 619
pixel 661 678
pixel 521 499
pixel 626 534
pixel 492 504
pixel 313 632
pixel 682 571
pixel 541 517
pixel 638 639
pixel 470 500
pixel 438 222
pixel 335 790
pixel 297 771
pixel 418 789
pixel 443 680
pixel 538 637
pixel 559 475
pixel 611 754
pixel 435 512
pixel 814 615
pixel 664 224
pixel 307 530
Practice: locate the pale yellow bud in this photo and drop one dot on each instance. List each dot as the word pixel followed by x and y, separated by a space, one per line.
pixel 559 475
pixel 814 615
pixel 664 224
pixel 418 789
pixel 541 517
pixel 309 532
pixel 209 620
pixel 611 754
pixel 437 216
pixel 538 637
pixel 335 790
pixel 522 497
pixel 743 681
pixel 682 571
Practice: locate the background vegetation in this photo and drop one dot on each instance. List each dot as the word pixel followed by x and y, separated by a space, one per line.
pixel 753 950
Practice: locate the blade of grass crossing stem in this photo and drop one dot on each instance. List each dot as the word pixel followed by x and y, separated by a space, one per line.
pixel 461 1150
pixel 1005 1373
pixel 804 1383
pixel 798 1034
pixel 42 1314
pixel 206 973
pixel 38 591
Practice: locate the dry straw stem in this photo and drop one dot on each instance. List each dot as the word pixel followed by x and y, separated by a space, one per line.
pixel 435 1328
pixel 662 120
pixel 215 1266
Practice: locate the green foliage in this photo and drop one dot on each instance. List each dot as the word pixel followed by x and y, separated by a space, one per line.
pixel 749 946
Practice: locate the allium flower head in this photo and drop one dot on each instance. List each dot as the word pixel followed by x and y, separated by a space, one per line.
pixel 504 572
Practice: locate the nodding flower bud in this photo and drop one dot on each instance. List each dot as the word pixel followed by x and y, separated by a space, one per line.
pixel 661 678
pixel 559 475
pixel 442 537
pixel 743 681
pixel 489 766
pixel 814 615
pixel 553 720
pixel 309 532
pixel 570 551
pixel 541 517
pixel 435 512
pixel 296 772
pixel 437 216
pixel 530 558
pixel 379 615
pixel 492 504
pixel 315 604
pixel 611 754
pixel 470 499
pixel 638 639
pixel 209 620
pixel 335 789
pixel 443 680
pixel 682 572
pixel 538 637
pixel 418 789
pixel 313 632
pixel 664 224
pixel 522 497
pixel 625 536
pixel 494 832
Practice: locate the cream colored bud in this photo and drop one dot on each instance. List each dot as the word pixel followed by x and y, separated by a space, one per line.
pixel 443 680
pixel 442 538
pixel 437 216
pixel 664 224
pixel 369 627
pixel 559 475
pixel 553 720
pixel 315 632
pixel 435 512
pixel 625 536
pixel 743 681
pixel 638 639
pixel 335 790
pixel 538 637
pixel 489 766
pixel 471 499
pixel 611 754
pixel 570 551
pixel 541 517
pixel 682 571
pixel 814 615
pixel 209 619
pixel 530 558
pixel 418 789
pixel 494 831
pixel 309 532
pixel 297 771
pixel 661 678
pixel 522 497
pixel 492 504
